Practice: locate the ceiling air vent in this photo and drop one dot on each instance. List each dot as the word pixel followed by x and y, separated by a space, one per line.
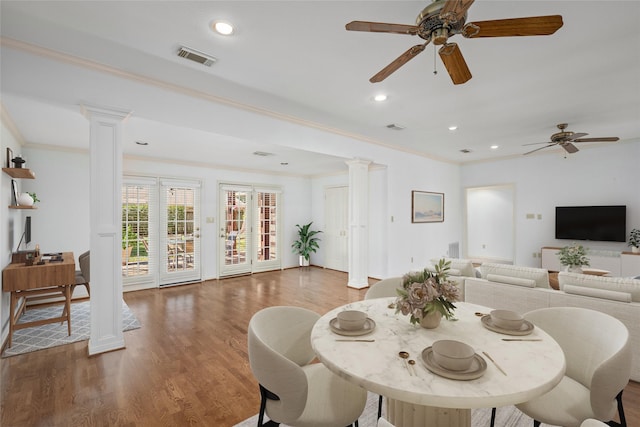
pixel 262 153
pixel 395 126
pixel 194 55
pixel 465 151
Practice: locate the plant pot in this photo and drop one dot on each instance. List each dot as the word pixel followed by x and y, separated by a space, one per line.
pixel 431 320
pixel 573 269
pixel 24 199
pixel 635 249
pixel 304 262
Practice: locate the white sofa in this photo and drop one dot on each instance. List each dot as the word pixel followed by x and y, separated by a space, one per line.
pixel 523 289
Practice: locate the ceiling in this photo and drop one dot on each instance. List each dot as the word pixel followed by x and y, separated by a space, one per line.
pixel 291 76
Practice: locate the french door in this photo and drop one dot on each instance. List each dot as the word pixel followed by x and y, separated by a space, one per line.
pixel 179 232
pixel 160 232
pixel 249 239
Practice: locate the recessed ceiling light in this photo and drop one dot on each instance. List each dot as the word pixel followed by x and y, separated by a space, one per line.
pixel 494 147
pixel 381 97
pixel 222 27
pixel 142 143
pixel 452 128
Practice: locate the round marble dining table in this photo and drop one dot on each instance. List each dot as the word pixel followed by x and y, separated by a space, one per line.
pixel 422 398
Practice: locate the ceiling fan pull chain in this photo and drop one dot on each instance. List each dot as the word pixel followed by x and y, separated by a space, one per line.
pixel 434 61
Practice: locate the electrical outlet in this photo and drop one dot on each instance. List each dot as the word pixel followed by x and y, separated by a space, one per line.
pixel 210 220
pixel 535 255
pixel 539 216
pixel 530 216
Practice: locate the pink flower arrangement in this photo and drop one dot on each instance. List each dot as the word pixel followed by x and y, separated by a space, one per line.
pixel 427 291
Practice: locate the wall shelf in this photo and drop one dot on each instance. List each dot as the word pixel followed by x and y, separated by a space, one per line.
pixel 22 173
pixel 21 207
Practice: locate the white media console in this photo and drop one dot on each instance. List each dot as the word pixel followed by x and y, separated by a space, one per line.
pixel 620 264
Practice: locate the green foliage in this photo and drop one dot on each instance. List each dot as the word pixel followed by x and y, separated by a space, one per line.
pixel 34 197
pixel 573 256
pixel 307 242
pixel 129 238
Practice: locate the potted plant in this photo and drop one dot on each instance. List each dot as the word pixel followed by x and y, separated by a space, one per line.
pixel 634 240
pixel 573 257
pixel 306 243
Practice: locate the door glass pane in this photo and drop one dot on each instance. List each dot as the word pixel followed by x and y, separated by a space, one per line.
pixel 235 229
pixel 180 229
pixel 267 227
pixel 135 230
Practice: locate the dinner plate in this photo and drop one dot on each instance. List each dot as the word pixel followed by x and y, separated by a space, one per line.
pixel 525 329
pixel 476 370
pixel 369 325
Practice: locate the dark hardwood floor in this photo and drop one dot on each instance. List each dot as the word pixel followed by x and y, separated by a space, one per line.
pixel 186 366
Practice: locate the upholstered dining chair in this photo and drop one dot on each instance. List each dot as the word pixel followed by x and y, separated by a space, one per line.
pixel 293 390
pixel 383 289
pixel 598 357
pixel 83 276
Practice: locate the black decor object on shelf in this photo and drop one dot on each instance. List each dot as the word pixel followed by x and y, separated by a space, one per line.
pixel 18 161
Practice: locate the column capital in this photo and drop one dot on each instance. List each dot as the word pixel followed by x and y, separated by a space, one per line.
pixel 90 111
pixel 358 162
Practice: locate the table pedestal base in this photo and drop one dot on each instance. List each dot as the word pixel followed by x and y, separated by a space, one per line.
pixel 403 414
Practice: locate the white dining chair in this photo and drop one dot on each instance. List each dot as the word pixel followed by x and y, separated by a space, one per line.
pixel 383 289
pixel 293 390
pixel 598 358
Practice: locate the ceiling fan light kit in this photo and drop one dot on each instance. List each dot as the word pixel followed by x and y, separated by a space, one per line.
pixel 443 19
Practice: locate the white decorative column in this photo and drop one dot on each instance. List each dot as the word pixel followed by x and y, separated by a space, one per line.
pixel 358 223
pixel 106 223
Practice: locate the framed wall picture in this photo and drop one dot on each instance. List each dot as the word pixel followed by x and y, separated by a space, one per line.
pixel 14 193
pixel 9 157
pixel 427 206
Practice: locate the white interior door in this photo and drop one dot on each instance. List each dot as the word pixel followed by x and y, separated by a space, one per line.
pixel 336 236
pixel 179 232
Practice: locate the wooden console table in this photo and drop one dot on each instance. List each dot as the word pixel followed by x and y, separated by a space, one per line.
pixel 38 281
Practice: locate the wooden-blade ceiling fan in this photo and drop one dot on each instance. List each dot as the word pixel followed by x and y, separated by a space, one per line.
pixel 566 139
pixel 445 18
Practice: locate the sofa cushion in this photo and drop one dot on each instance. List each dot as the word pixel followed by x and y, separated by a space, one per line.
pixel 539 275
pixel 518 281
pixel 598 293
pixel 616 284
pixel 464 266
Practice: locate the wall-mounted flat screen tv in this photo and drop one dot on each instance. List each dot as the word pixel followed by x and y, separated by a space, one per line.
pixel 597 223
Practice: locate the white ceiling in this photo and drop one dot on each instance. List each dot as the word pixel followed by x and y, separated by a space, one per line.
pixel 291 75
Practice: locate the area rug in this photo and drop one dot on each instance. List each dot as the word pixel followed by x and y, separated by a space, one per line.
pixel 507 416
pixel 55 334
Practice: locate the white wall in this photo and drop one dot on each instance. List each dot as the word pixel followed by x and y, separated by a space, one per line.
pixel 395 244
pixel 11 220
pixel 604 175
